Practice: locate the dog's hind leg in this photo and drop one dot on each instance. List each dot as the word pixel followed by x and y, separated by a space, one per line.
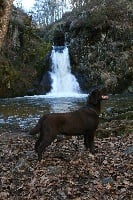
pixel 37 144
pixel 37 128
pixel 41 146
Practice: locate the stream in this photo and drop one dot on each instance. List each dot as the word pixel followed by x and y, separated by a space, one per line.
pixel 22 113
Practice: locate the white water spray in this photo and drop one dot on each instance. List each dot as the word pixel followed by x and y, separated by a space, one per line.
pixel 63 82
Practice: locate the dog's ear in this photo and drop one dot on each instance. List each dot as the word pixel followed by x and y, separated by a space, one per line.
pixel 103 90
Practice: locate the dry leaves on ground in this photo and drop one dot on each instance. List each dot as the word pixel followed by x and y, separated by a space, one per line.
pixel 67 171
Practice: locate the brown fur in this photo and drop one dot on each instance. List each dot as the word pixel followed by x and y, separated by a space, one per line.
pixel 80 122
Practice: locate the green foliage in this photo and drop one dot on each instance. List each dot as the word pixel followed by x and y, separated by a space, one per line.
pixel 42 51
pixel 95 19
pixel 34 47
pixel 22 55
pixel 34 50
pixel 7 76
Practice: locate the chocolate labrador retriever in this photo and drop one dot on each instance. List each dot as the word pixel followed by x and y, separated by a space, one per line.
pixel 80 122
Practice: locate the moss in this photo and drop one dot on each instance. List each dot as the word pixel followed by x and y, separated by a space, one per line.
pixel 22 54
pixel 8 76
pixel 96 19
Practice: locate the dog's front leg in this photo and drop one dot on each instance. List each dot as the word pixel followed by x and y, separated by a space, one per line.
pixel 89 141
pixel 86 140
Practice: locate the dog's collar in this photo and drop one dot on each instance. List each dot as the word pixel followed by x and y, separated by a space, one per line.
pixel 92 109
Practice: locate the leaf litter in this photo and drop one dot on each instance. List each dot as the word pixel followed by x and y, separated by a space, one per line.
pixel 67 170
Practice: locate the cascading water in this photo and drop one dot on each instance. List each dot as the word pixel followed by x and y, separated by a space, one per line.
pixel 63 82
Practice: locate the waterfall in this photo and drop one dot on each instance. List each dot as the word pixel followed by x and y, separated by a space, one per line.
pixel 64 83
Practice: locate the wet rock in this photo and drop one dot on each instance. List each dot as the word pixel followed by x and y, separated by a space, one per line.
pixel 107 180
pixel 21 166
pixel 59 38
pixel 46 82
pixel 129 150
pixel 54 170
pixel 130 89
pixel 109 110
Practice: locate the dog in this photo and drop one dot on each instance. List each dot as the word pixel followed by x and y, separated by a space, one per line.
pixel 80 122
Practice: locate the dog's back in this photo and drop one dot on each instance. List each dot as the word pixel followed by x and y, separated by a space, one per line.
pixel 70 123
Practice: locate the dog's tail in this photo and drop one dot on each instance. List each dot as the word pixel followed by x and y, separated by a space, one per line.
pixel 37 128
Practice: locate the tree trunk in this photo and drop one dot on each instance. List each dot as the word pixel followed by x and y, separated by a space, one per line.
pixel 5 7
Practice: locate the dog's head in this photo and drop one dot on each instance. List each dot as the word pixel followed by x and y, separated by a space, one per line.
pixel 96 96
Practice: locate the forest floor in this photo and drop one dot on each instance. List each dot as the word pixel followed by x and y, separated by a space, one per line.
pixel 67 171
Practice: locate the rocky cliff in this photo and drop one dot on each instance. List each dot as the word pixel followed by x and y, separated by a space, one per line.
pixel 100 44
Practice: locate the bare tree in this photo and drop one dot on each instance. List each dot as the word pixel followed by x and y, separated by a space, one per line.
pixel 48 11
